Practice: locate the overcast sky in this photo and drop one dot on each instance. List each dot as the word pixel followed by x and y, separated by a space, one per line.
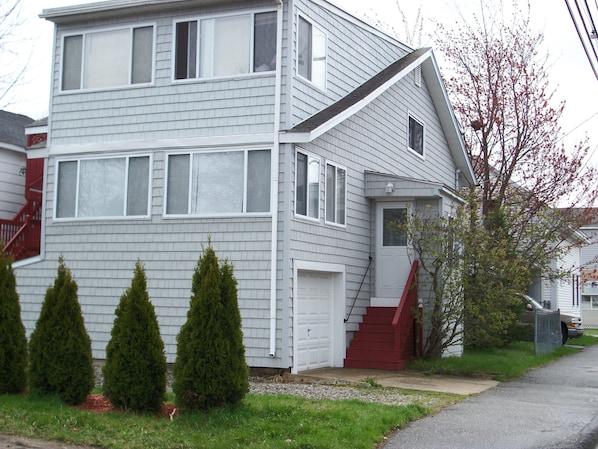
pixel 570 70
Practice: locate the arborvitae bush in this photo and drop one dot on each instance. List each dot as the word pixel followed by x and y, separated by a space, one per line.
pixel 210 368
pixel 60 349
pixel 13 342
pixel 135 369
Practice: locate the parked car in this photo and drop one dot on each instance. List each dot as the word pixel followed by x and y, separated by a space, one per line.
pixel 571 326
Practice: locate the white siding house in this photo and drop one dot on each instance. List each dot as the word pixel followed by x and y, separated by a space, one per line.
pixel 286 132
pixel 12 162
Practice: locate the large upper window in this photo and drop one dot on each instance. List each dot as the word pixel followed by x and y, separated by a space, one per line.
pixel 336 188
pixel 111 187
pixel 416 135
pixel 307 186
pixel 311 53
pixel 109 58
pixel 223 182
pixel 223 46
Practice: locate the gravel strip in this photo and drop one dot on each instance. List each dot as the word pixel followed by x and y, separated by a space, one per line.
pixel 285 385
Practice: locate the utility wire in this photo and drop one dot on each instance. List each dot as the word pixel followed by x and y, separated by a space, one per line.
pixel 588 33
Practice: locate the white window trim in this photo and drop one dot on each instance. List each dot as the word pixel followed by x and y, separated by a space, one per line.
pixel 421 155
pixel 319 210
pixel 199 18
pixel 299 76
pixel 336 166
pixel 104 218
pixel 191 152
pixel 108 88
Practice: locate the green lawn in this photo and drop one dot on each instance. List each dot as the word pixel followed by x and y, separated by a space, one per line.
pixel 261 421
pixel 264 421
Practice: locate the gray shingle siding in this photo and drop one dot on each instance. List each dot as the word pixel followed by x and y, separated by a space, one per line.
pixel 102 253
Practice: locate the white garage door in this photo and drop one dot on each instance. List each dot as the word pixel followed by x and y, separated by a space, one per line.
pixel 314 320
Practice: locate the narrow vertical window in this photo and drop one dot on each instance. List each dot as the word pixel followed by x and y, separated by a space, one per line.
pixel 264 42
pixel 177 200
pixel 336 187
pixel 71 62
pixel 141 64
pixel 311 53
pixel 66 196
pixel 307 195
pixel 416 136
pixel 185 61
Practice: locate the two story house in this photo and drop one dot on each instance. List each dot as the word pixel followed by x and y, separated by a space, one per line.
pixel 288 132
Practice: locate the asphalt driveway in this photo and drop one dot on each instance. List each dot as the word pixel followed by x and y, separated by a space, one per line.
pixel 555 406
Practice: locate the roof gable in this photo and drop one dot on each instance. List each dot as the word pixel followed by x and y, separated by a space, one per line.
pixel 350 104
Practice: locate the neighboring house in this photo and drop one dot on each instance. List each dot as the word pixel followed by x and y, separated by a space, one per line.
pixel 290 133
pixel 589 272
pixel 12 162
pixel 20 234
pixel 563 294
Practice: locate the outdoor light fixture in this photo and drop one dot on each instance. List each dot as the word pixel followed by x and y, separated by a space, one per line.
pixel 389 187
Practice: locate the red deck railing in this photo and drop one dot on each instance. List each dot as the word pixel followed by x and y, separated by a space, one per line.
pixel 407 332
pixel 20 237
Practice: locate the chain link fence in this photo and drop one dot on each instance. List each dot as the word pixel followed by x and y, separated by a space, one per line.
pixel 547 335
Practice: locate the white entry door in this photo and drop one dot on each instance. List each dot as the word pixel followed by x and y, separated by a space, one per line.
pixel 314 320
pixel 392 251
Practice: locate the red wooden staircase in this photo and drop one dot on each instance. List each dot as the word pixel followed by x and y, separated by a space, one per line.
pixel 20 237
pixel 388 337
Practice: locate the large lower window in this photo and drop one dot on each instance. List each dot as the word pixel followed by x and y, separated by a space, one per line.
pixel 307 186
pixel 223 182
pixel 113 187
pixel 311 53
pixel 223 46
pixel 108 58
pixel 336 188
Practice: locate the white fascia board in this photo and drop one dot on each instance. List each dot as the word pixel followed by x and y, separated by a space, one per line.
pixel 194 142
pixel 12 147
pixel 433 78
pixel 36 130
pixel 305 137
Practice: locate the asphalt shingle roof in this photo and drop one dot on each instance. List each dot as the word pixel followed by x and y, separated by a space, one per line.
pixel 12 128
pixel 358 94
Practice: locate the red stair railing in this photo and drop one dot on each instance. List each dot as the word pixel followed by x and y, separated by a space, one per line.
pixel 20 236
pixel 404 320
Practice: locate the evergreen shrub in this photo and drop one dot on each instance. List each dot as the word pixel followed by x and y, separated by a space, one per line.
pixel 60 348
pixel 210 368
pixel 135 368
pixel 13 341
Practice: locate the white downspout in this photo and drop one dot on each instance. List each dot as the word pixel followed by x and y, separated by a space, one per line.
pixel 274 178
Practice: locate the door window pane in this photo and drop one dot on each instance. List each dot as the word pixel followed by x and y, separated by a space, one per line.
pixel 392 234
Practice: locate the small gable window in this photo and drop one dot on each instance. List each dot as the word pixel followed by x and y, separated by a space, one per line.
pixel 416 135
pixel 105 59
pixel 336 193
pixel 307 186
pixel 311 53
pixel 224 46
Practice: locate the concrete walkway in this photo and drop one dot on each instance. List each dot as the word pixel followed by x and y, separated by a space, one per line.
pixel 400 379
pixel 555 407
